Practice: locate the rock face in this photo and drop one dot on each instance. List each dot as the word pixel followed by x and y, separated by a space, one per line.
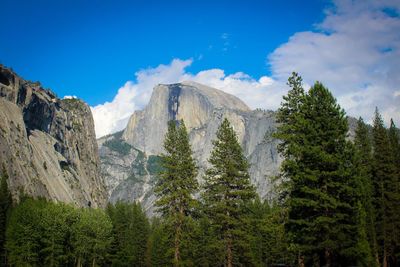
pixel 129 159
pixel 48 145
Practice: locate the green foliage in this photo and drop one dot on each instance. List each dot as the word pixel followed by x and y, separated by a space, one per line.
pixel 269 241
pixel 176 186
pixel 319 174
pixel 130 234
pixel 206 247
pixel 24 233
pixel 394 137
pixel 5 206
pixel 365 208
pixel 154 164
pixel 139 164
pixel 159 245
pixel 91 236
pixel 119 146
pixel 73 103
pixel 227 190
pixel 45 233
pixel 386 191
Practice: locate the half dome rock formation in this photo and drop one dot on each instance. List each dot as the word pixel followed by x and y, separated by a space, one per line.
pixel 47 145
pixel 130 158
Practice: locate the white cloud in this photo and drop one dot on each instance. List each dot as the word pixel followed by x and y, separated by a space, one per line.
pixel 70 97
pixel 355 51
pixel 113 116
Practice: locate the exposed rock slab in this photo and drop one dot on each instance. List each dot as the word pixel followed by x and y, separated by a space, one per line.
pixel 48 145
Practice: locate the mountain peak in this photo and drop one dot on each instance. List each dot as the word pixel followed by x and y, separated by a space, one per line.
pixel 217 98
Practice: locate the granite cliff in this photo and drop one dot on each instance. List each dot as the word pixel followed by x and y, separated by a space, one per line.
pixel 47 145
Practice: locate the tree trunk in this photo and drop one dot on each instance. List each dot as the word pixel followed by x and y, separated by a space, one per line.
pixel 328 258
pixel 300 260
pixel 94 262
pixel 229 256
pixel 177 255
pixel 385 263
pixel 378 263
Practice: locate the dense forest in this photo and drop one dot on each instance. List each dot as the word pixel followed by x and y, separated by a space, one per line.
pixel 337 204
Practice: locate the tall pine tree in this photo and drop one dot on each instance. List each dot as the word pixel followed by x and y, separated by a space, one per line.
pixel 177 184
pixel 386 199
pixel 226 191
pixel 394 137
pixel 366 211
pixel 318 168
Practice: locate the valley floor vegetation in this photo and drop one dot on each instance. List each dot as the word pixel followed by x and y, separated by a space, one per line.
pixel 337 204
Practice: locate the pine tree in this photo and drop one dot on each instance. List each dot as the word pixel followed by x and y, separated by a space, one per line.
pixel 158 244
pixel 386 199
pixel 394 137
pixel 24 233
pixel 226 191
pixel 366 210
pixel 177 184
pixel 91 236
pixel 318 168
pixel 288 115
pixel 5 205
pixel 289 132
pixel 130 234
pixel 207 249
pixel 269 244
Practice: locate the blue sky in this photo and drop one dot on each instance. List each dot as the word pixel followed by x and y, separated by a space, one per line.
pixel 90 48
pixel 112 53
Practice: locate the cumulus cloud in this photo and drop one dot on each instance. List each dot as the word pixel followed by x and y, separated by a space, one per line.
pixel 113 116
pixel 70 97
pixel 355 51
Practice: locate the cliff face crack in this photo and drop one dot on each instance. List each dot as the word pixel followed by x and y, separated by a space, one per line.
pixel 173 100
pixel 3 79
pixel 38 114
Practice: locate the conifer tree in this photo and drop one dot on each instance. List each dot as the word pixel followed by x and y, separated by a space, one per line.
pixel 226 191
pixel 269 244
pixel 386 197
pixel 366 210
pixel 289 132
pixel 177 184
pixel 158 244
pixel 130 234
pixel 207 250
pixel 5 205
pixel 318 167
pixel 394 137
pixel 288 116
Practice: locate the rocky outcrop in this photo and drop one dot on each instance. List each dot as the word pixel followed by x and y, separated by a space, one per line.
pixel 48 145
pixel 129 173
pixel 203 109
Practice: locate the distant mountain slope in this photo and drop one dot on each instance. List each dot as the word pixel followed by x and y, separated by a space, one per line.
pixel 48 145
pixel 128 158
